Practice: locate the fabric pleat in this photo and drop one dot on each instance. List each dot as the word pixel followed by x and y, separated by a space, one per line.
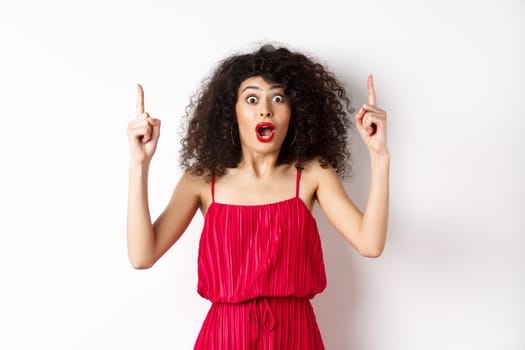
pixel 260 265
pixel 264 323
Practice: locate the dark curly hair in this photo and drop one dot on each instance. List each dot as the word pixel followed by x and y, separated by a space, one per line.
pixel 319 119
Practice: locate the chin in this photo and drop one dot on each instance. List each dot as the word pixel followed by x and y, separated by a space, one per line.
pixel 266 147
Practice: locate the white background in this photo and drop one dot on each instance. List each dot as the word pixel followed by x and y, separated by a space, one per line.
pixel 449 74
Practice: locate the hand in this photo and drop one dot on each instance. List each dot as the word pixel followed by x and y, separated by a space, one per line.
pixel 371 123
pixel 143 132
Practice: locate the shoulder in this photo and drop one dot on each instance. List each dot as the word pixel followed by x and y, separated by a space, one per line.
pixel 194 184
pixel 317 168
pixel 192 179
pixel 199 186
pixel 315 172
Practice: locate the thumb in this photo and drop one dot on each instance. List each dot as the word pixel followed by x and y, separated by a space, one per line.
pixel 359 119
pixel 156 128
pixel 155 121
pixel 359 123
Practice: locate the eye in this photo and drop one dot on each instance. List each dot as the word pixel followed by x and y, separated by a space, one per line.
pixel 278 98
pixel 251 99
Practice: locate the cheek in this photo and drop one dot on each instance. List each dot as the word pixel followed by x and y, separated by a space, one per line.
pixel 243 123
pixel 286 130
pixel 242 113
pixel 239 116
pixel 285 122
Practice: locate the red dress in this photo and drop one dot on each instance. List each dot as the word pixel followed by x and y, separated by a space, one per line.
pixel 260 265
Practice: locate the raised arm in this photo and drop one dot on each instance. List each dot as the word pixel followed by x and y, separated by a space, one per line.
pixel 147 242
pixel 365 231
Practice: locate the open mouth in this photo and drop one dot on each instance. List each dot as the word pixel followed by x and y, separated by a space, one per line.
pixel 265 131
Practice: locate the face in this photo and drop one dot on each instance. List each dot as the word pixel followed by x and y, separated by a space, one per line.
pixel 263 114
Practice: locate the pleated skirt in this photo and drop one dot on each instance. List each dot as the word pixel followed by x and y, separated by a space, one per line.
pixel 265 323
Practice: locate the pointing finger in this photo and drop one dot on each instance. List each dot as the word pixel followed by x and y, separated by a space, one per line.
pixel 371 91
pixel 140 100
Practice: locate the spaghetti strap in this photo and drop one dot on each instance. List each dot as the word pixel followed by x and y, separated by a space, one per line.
pixel 297 181
pixel 213 189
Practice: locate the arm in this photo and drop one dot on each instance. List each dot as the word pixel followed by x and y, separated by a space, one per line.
pixel 366 232
pixel 375 219
pixel 147 242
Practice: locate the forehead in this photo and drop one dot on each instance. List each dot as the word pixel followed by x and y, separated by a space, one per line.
pixel 258 82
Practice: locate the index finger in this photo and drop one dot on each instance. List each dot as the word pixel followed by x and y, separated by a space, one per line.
pixel 140 100
pixel 371 91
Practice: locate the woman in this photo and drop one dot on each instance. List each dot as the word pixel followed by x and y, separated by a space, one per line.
pixel 266 138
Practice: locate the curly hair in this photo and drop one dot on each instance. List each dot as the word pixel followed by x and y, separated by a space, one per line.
pixel 319 121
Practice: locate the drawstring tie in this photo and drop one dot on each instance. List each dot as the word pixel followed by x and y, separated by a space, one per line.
pixel 260 315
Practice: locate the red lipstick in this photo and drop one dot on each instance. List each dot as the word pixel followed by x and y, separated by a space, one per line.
pixel 265 131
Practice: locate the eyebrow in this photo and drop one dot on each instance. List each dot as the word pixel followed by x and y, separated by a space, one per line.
pixel 258 88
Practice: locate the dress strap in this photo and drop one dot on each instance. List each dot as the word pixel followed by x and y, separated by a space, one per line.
pixel 213 189
pixel 297 181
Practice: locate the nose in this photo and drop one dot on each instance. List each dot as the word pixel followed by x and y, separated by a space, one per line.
pixel 266 114
pixel 266 110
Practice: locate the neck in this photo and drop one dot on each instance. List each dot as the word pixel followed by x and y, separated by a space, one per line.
pixel 261 165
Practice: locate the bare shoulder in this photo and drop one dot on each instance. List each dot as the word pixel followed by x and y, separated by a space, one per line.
pixel 196 185
pixel 180 210
pixel 315 172
pixel 336 204
pixel 199 188
pixel 313 175
pixel 192 180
